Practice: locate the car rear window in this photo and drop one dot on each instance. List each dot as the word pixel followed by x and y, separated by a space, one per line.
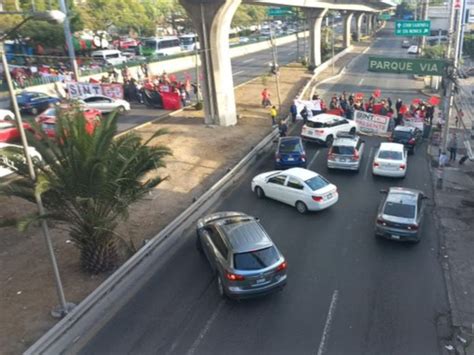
pixel 401 134
pixel 341 149
pixel 257 259
pixel 317 183
pixel 312 124
pixel 399 210
pixel 290 146
pixel 391 155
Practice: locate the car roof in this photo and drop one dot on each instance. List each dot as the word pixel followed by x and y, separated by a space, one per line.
pixel 403 195
pixel 397 147
pixel 289 139
pixel 244 234
pixel 303 174
pixel 404 128
pixel 324 117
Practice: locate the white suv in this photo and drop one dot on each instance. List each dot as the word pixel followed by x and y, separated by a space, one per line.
pixel 323 128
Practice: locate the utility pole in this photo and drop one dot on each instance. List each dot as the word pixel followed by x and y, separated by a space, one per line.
pixel 196 58
pixel 276 69
pixel 69 44
pixel 332 45
pixel 454 20
pixel 425 6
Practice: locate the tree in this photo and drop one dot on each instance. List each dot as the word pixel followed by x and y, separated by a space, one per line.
pixel 88 181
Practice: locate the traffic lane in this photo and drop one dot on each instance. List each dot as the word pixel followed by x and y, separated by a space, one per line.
pixel 185 314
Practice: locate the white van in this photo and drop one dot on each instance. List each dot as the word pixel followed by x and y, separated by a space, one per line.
pixel 110 56
pixel 163 46
pixel 189 42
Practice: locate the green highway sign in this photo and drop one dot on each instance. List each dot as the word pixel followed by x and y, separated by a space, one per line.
pixel 407 66
pixel 385 17
pixel 412 28
pixel 279 11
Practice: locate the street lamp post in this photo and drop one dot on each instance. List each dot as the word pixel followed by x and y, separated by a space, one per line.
pixel 68 37
pixel 64 307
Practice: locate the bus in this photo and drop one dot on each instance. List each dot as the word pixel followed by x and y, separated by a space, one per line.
pixel 162 46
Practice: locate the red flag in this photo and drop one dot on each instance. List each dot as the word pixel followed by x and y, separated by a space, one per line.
pixel 434 100
pixel 403 109
pixel 416 101
pixel 359 96
pixel 377 92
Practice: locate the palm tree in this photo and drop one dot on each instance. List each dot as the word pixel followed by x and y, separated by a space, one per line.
pixel 88 181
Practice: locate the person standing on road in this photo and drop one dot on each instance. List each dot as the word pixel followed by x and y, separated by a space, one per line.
pixel 294 112
pixel 399 105
pixel 273 114
pixel 266 98
pixel 282 128
pixel 453 147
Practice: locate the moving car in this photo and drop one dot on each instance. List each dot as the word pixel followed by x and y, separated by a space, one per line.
pixel 408 136
pixel 35 102
pixel 89 113
pixel 346 152
pixel 390 160
pixel 298 187
pixel 6 115
pixel 400 214
pixel 246 261
pixel 290 153
pixel 17 150
pixel 109 56
pixel 406 43
pixel 412 50
pixel 9 132
pixel 324 127
pixel 105 104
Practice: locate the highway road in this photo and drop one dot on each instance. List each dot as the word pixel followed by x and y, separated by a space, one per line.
pixel 347 292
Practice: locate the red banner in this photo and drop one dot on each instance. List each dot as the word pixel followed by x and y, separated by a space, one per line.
pixel 434 100
pixel 171 100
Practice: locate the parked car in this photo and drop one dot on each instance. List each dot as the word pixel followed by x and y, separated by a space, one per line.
pixel 6 115
pixel 412 50
pixel 16 150
pixel 35 102
pixel 89 113
pixel 9 132
pixel 246 261
pixel 408 136
pixel 290 153
pixel 406 43
pixel 298 187
pixel 400 214
pixel 346 152
pixel 390 160
pixel 105 104
pixel 323 128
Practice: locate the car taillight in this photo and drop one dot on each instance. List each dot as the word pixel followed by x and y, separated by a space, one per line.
pixel 413 227
pixel 356 155
pixel 303 157
pixel 317 198
pixel 376 164
pixel 282 266
pixel 411 141
pixel 402 166
pixel 234 277
pixel 381 221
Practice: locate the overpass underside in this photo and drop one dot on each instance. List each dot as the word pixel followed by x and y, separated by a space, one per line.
pixel 212 21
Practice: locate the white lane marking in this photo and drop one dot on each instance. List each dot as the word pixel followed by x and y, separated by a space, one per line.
pixel 369 163
pixel 238 72
pixel 327 326
pixel 248 60
pixel 361 81
pixel 204 330
pixel 314 158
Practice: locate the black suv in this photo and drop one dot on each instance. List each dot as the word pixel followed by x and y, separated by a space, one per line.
pixel 408 136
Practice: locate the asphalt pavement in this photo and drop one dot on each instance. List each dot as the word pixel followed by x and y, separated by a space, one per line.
pixel 347 292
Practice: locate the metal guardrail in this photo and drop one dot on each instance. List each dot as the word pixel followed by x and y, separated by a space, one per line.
pixel 73 331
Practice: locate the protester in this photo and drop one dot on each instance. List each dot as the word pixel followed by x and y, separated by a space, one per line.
pixel 453 147
pixel 293 112
pixel 398 105
pixel 282 128
pixel 266 98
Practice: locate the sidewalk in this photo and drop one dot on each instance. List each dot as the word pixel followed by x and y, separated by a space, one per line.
pixel 202 155
pixel 454 209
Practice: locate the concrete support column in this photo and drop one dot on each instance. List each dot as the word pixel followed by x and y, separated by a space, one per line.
pixel 359 20
pixel 369 24
pixel 347 30
pixel 374 22
pixel 212 22
pixel 315 19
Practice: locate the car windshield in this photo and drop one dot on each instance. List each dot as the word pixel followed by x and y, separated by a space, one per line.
pixel 317 182
pixel 342 149
pixel 186 40
pixel 401 134
pixel 399 210
pixel 390 155
pixel 289 146
pixel 257 259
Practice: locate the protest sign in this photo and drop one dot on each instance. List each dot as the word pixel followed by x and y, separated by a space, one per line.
pixel 371 123
pixel 82 90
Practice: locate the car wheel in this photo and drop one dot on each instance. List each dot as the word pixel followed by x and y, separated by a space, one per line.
pixel 220 287
pixel 259 192
pixel 353 130
pixel 34 111
pixel 329 140
pixel 121 109
pixel 301 207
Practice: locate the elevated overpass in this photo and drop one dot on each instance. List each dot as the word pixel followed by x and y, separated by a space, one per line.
pixel 212 20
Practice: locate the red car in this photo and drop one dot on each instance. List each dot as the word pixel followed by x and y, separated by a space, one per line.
pixel 89 114
pixel 9 132
pixel 49 125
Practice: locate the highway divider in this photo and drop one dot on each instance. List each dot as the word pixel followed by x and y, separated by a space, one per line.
pixel 84 321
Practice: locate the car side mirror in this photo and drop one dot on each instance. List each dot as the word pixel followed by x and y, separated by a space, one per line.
pixel 257 219
pixel 383 191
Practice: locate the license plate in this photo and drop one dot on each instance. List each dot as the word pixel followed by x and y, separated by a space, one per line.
pixel 342 159
pixel 328 196
pixel 291 159
pixel 395 236
pixel 259 281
